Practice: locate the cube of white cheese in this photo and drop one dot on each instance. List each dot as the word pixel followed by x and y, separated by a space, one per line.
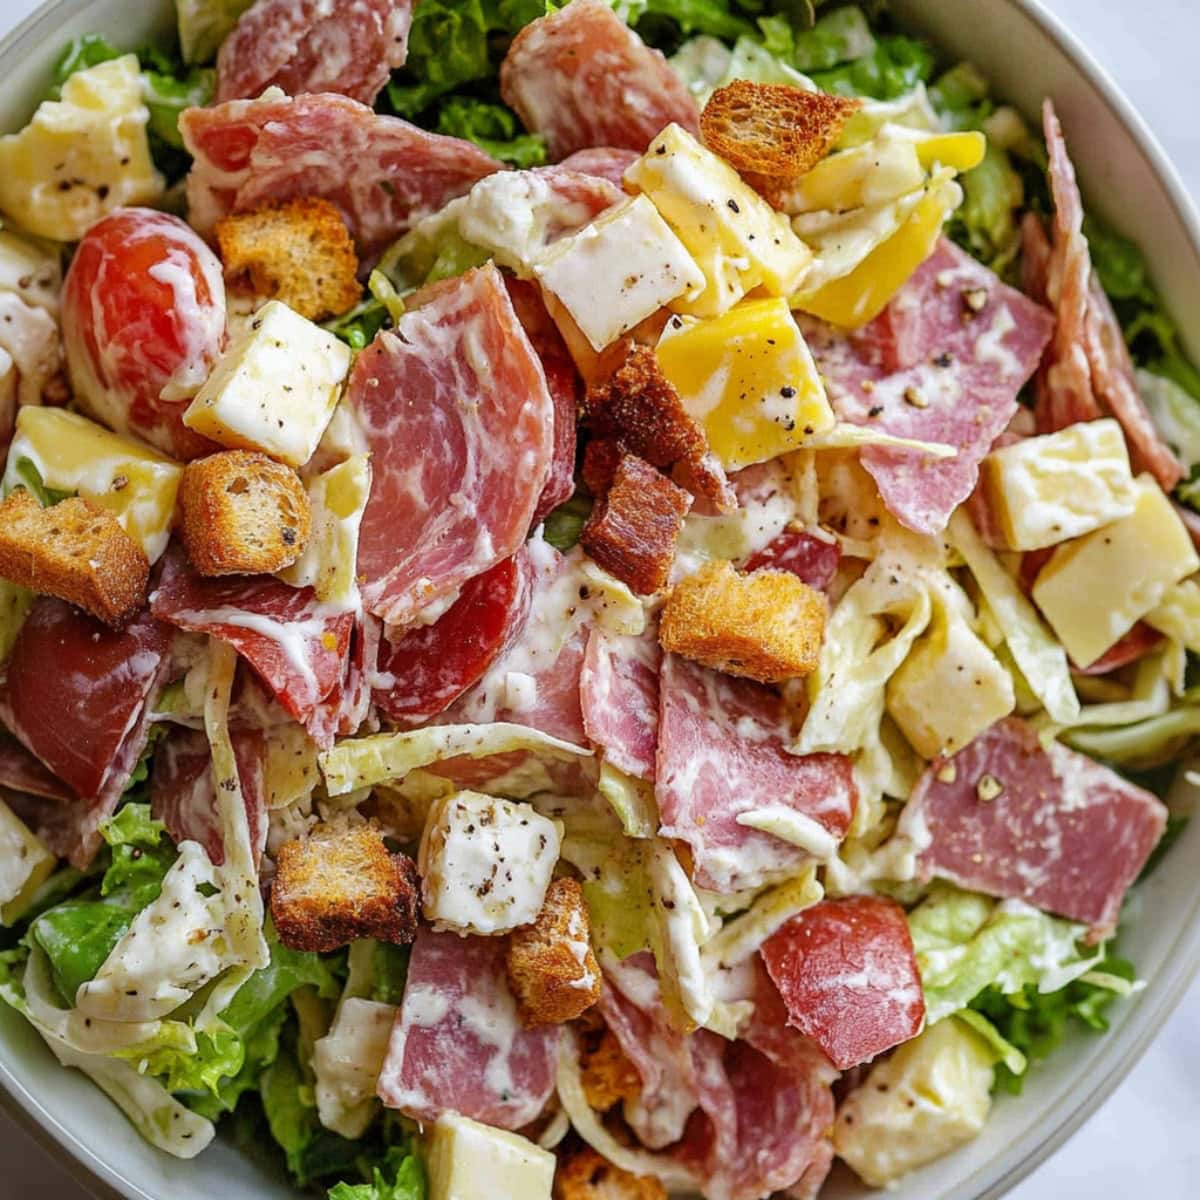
pixel 486 863
pixel 1046 490
pixel 346 1063
pixel 81 156
pixel 25 864
pixel 927 1099
pixel 470 1161
pixel 619 270
pixel 274 389
pixel 1093 590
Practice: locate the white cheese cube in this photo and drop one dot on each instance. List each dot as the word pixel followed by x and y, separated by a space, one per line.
pixel 1095 589
pixel 1046 490
pixel 82 156
pixel 619 270
pixel 738 239
pixel 470 1161
pixel 346 1063
pixel 25 864
pixel 930 1097
pixel 486 863
pixel 30 271
pixel 274 389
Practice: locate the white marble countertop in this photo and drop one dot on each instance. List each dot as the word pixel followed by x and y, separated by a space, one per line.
pixel 1143 1141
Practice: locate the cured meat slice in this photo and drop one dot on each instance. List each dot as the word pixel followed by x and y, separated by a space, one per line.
pixel 605 162
pixel 314 46
pixel 382 173
pixel 184 797
pixel 345 709
pixel 943 363
pixel 721 757
pixel 582 78
pixel 619 695
pixel 428 667
pixel 296 646
pixel 459 421
pixel 1141 640
pixel 1011 818
pixel 78 694
pixel 848 976
pixel 22 772
pixel 458 1044
pixel 805 555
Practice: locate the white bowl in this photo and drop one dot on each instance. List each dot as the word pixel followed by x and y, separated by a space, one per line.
pixel 1027 54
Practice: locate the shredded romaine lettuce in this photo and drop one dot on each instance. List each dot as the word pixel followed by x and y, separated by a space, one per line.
pixel 400 1177
pixel 205 24
pixel 493 128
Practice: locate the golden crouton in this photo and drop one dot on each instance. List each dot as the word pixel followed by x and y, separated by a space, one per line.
pixel 299 252
pixel 339 884
pixel 551 968
pixel 770 133
pixel 606 1073
pixel 766 626
pixel 586 1175
pixel 243 514
pixel 76 551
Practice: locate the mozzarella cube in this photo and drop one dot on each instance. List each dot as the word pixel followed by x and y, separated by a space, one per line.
pixel 1049 489
pixel 738 239
pixel 274 389
pixel 948 690
pixel 486 863
pixel 470 1161
pixel 1093 590
pixel 72 454
pixel 346 1063
pixel 619 270
pixel 25 864
pixel 81 156
pixel 749 379
pixel 930 1097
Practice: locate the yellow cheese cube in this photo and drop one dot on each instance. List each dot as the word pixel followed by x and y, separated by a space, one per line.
pixel 82 156
pixel 470 1161
pixel 740 242
pixel 948 690
pixel 1046 490
pixel 25 864
pixel 72 454
pixel 274 389
pixel 749 379
pixel 1094 589
pixel 930 1097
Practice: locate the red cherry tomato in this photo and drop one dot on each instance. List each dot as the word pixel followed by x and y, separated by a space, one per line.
pixel 143 316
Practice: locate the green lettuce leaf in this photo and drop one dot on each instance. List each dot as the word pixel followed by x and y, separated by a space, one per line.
pixel 27 472
pixel 844 36
pixel 358 327
pixel 90 50
pixel 399 1177
pixel 665 21
pixel 15 603
pixel 205 24
pixel 564 525
pixel 895 67
pixel 493 128
pixel 170 91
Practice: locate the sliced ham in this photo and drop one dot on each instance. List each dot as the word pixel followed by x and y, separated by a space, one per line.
pixel 301 46
pixel 721 756
pixel 583 79
pixel 20 771
pixel 808 557
pixel 619 697
pixel 184 797
pixel 297 646
pixel 456 413
pixel 1011 818
pixel 848 977
pixel 78 696
pixel 943 363
pixel 382 173
pixel 458 1044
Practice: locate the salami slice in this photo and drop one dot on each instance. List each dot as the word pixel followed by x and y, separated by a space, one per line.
pixel 619 696
pixel 848 977
pixel 805 555
pixel 1011 818
pixel 458 418
pixel 605 162
pixel 428 667
pixel 296 646
pixel 350 47
pixel 458 1044
pixel 184 797
pixel 22 772
pixel 721 758
pixel 1141 640
pixel 382 173
pixel 582 79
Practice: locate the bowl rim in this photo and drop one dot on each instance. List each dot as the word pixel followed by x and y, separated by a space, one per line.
pixel 1155 1004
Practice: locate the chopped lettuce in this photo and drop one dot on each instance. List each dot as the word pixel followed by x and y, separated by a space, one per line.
pixel 399 1177
pixel 896 66
pixel 564 525
pixel 842 36
pixel 15 603
pixel 1142 745
pixel 90 50
pixel 358 327
pixel 205 24
pixel 29 477
pixel 1176 415
pixel 493 128
pixel 665 20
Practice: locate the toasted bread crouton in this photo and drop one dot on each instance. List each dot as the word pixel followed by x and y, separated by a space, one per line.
pixel 766 626
pixel 601 457
pixel 552 970
pixel 639 408
pixel 586 1175
pixel 243 514
pixel 339 884
pixel 299 252
pixel 606 1073
pixel 770 133
pixel 632 531
pixel 76 551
